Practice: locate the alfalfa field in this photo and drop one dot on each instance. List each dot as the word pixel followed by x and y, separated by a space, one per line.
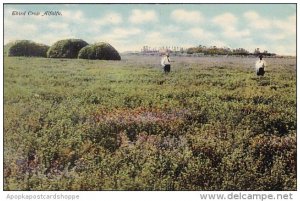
pixel 210 124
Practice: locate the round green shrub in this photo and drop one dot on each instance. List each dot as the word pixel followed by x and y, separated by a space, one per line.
pixel 67 48
pixel 26 48
pixel 99 51
pixel 6 48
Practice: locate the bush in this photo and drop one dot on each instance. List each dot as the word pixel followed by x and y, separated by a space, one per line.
pixel 6 48
pixel 26 48
pixel 67 48
pixel 99 51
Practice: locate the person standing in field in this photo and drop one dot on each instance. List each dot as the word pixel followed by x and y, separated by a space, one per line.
pixel 166 63
pixel 260 66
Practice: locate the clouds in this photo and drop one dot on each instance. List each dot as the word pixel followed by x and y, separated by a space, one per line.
pixel 200 33
pixel 130 27
pixel 142 16
pixel 229 22
pixel 108 19
pixel 256 21
pixel 121 33
pixel 287 25
pixel 185 16
pixel 270 28
pixel 15 30
pixel 73 15
pixel 57 25
pixel 226 20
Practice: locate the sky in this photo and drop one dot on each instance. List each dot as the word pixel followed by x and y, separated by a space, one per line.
pixel 129 27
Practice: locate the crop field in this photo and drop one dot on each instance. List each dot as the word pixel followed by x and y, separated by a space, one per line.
pixel 210 124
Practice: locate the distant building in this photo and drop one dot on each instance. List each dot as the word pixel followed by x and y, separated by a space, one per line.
pixel 174 50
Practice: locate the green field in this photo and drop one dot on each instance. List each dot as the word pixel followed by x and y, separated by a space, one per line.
pixel 210 124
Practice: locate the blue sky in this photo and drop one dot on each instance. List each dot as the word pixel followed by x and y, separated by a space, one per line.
pixel 127 27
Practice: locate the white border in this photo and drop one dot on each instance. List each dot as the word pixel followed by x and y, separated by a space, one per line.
pixel 135 195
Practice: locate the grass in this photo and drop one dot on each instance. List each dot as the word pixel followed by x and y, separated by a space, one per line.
pixel 210 124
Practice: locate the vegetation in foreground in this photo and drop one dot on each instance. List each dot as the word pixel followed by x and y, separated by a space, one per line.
pixel 210 124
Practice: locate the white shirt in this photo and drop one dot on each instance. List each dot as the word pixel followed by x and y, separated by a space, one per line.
pixel 165 61
pixel 260 64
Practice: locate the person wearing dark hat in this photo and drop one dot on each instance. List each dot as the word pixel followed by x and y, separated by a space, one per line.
pixel 166 63
pixel 260 66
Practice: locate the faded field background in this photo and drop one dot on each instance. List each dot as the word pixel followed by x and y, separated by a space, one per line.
pixel 210 124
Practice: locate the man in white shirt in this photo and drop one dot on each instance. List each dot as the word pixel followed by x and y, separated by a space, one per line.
pixel 260 66
pixel 165 62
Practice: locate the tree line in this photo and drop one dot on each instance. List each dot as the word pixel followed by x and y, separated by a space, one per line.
pixel 213 50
